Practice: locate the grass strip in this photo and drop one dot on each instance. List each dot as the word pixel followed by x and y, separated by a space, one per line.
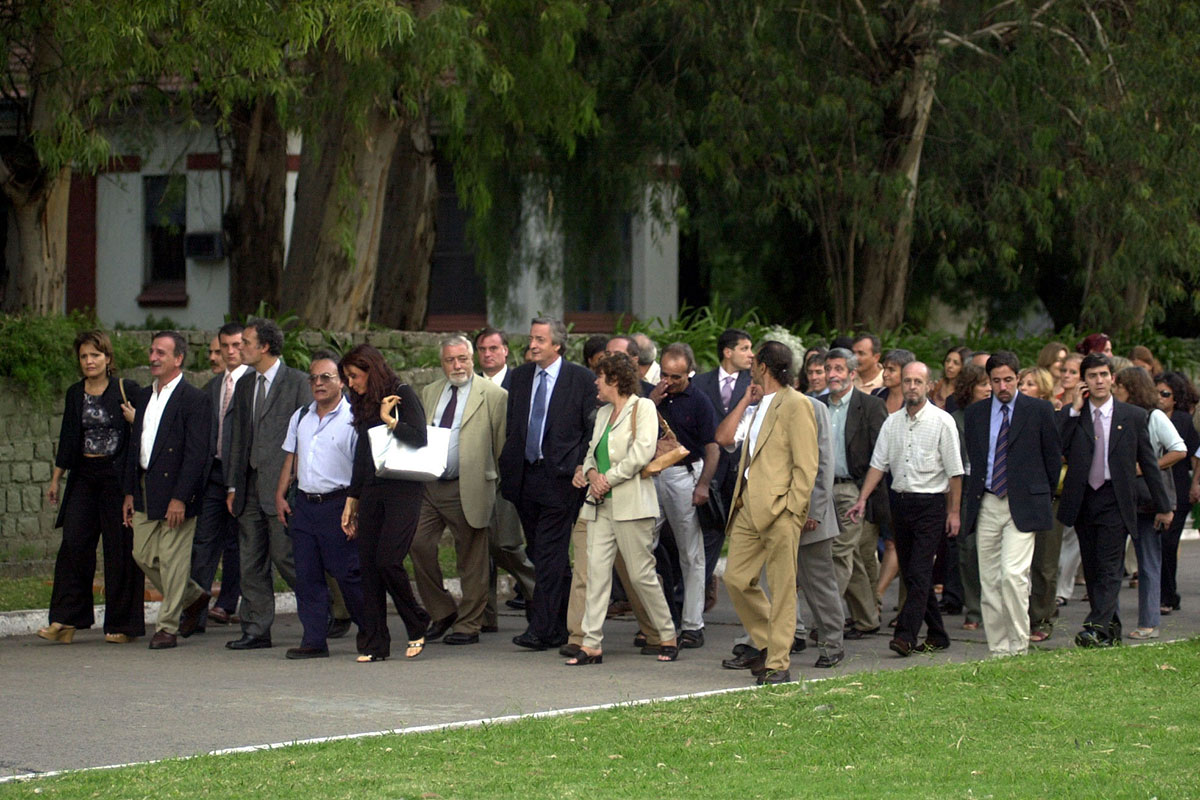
pixel 1062 724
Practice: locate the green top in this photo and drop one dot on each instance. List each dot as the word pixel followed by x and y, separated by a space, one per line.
pixel 602 462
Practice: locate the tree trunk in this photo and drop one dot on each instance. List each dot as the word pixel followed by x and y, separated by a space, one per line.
pixel 886 268
pixel 254 221
pixel 401 297
pixel 336 229
pixel 41 220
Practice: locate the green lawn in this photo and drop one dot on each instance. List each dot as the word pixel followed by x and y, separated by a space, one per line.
pixel 1070 723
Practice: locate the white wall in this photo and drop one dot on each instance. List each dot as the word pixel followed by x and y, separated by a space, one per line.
pixel 654 260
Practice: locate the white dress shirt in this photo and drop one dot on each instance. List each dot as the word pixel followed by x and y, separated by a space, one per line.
pixel 498 378
pixel 153 416
pixel 270 376
pixel 460 404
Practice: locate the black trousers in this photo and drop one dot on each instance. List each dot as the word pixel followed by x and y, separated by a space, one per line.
pixel 1170 554
pixel 919 523
pixel 548 507
pixel 1101 536
pixel 216 538
pixel 92 513
pixel 387 521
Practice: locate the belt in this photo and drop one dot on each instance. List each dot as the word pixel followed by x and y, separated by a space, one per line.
pixel 844 480
pixel 328 497
pixel 918 495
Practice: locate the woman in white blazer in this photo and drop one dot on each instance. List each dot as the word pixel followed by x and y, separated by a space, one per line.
pixel 621 506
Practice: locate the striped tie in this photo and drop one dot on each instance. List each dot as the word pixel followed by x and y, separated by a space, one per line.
pixel 1000 461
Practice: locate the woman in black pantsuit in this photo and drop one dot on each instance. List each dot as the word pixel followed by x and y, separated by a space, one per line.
pixel 91 445
pixel 381 512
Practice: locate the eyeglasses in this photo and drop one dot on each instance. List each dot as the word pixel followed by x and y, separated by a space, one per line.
pixel 324 377
pixel 1165 393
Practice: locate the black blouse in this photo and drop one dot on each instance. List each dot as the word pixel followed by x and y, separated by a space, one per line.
pixel 410 429
pixel 71 436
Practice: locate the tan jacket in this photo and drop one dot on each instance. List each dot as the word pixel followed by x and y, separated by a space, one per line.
pixel 783 468
pixel 479 443
pixel 633 497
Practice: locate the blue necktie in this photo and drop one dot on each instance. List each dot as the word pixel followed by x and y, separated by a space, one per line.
pixel 1000 460
pixel 537 420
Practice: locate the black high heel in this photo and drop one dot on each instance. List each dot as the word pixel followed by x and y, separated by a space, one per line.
pixel 584 658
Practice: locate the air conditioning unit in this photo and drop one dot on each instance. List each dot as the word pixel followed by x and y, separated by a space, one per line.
pixel 205 246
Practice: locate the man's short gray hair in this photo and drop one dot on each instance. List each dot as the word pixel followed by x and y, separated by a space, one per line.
pixel 558 331
pixel 647 349
pixel 842 353
pixel 457 340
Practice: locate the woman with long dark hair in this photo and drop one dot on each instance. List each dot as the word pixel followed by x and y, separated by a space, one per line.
pixel 1133 385
pixel 382 512
pixel 91 446
pixel 952 365
pixel 1177 398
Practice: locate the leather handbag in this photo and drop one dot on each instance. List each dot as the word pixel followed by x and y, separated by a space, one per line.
pixel 667 451
pixel 396 460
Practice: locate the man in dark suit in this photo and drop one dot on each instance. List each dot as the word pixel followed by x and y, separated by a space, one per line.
pixel 1105 443
pixel 164 475
pixel 724 387
pixel 855 417
pixel 547 432
pixel 263 404
pixel 1013 447
pixel 216 529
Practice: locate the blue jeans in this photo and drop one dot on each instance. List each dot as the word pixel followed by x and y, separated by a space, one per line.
pixel 1148 546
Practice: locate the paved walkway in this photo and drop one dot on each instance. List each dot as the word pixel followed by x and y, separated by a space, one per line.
pixel 92 704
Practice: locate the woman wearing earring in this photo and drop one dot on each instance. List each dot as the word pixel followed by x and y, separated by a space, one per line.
pixel 91 446
pixel 382 512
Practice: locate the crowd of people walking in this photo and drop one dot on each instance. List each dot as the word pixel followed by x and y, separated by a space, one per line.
pixel 829 474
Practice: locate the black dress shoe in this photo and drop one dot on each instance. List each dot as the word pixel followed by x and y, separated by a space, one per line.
pixel 248 642
pixel 690 639
pixel 826 660
pixel 900 647
pixel 799 644
pixel 489 628
pixel 738 649
pixel 949 608
pixel 439 627
pixel 744 659
pixel 774 676
pixel 530 640
pixel 517 603
pixel 189 620
pixel 297 653
pixel 162 640
pixel 337 628
pixel 461 638
pixel 854 634
pixel 569 650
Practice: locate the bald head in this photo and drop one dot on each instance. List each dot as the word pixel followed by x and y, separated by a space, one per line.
pixel 914 380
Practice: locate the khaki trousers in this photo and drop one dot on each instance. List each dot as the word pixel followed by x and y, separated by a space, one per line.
pixel 441 508
pixel 1004 557
pixel 771 623
pixel 854 553
pixel 578 598
pixel 165 555
pixel 608 539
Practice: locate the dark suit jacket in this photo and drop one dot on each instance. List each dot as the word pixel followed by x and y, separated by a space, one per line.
pixel 567 431
pixel 70 435
pixel 288 392
pixel 213 390
pixel 710 386
pixel 1128 447
pixel 864 418
pixel 179 462
pixel 1034 461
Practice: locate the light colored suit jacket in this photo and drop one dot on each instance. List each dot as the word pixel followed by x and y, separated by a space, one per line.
pixel 821 507
pixel 633 497
pixel 783 467
pixel 479 443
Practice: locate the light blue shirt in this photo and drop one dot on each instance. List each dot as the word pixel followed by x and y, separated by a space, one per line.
pixel 324 448
pixel 551 378
pixel 994 432
pixel 839 411
pixel 464 392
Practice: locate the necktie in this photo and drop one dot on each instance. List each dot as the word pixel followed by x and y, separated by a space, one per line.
pixel 226 396
pixel 1099 454
pixel 727 392
pixel 537 420
pixel 448 414
pixel 260 404
pixel 1000 459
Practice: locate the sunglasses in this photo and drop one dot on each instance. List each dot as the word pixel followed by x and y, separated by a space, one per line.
pixel 1164 393
pixel 324 377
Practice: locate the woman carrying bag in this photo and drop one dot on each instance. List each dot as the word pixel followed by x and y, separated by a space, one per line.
pixel 621 506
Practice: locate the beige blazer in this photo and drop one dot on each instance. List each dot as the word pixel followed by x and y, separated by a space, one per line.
pixel 633 497
pixel 479 443
pixel 783 468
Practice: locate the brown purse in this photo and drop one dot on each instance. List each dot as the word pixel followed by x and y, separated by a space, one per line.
pixel 667 451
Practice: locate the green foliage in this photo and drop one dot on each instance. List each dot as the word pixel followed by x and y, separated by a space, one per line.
pixel 37 351
pixel 699 328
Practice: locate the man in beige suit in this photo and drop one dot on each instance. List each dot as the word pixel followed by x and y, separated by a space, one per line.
pixel 462 500
pixel 770 508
